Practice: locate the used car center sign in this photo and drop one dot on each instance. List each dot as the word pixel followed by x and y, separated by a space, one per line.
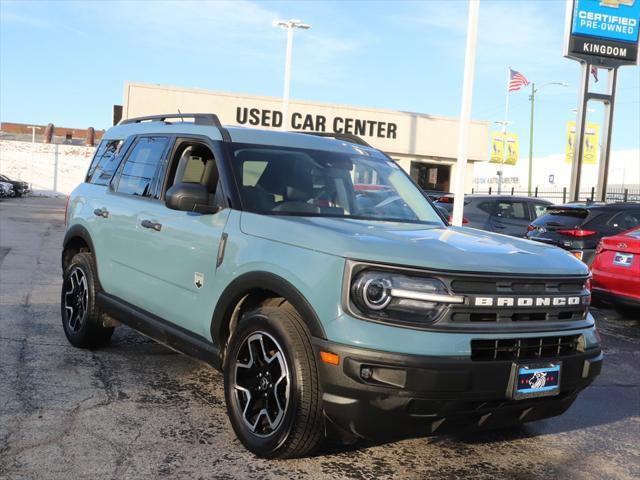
pixel 603 32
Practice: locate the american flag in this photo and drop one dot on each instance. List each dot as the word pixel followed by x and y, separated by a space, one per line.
pixel 594 72
pixel 516 80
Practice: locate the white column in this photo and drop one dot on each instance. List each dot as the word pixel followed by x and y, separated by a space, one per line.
pixel 465 111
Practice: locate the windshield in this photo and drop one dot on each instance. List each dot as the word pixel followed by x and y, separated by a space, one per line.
pixel 288 181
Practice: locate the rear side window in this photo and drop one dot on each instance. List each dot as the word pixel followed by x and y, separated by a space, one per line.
pixel 104 163
pixel 512 210
pixel 138 175
pixel 563 217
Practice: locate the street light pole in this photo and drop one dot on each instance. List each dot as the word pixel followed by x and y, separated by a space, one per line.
pixel 532 98
pixel 289 25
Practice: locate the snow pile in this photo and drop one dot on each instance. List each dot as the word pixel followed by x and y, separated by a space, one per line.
pixel 50 169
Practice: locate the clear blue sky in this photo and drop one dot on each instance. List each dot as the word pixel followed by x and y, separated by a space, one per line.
pixel 66 62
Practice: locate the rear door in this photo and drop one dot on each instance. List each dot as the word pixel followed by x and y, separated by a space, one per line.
pixel 511 217
pixel 133 189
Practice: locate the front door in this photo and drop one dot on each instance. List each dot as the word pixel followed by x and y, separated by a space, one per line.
pixel 179 254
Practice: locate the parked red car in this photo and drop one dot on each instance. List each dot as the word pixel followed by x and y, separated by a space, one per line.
pixel 616 269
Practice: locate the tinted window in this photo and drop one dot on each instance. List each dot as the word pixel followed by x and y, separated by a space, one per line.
pixel 625 220
pixel 563 217
pixel 512 210
pixel 105 162
pixel 287 181
pixel 486 207
pixel 139 171
pixel 539 209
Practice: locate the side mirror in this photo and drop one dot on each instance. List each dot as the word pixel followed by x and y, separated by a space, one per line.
pixel 189 197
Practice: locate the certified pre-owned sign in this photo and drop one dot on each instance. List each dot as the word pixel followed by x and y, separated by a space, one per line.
pixel 603 32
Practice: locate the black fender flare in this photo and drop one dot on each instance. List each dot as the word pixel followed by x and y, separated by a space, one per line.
pixel 77 231
pixel 239 287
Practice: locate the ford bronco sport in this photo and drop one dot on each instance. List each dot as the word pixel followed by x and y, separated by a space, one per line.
pixel 322 282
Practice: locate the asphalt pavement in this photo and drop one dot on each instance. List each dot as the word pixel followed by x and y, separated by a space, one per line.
pixel 139 410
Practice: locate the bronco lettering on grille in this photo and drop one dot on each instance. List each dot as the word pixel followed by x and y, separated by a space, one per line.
pixel 525 301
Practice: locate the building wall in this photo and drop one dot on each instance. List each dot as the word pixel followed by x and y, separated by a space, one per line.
pixel 406 134
pixel 21 131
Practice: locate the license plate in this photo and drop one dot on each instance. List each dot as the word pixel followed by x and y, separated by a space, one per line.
pixel 623 259
pixel 531 381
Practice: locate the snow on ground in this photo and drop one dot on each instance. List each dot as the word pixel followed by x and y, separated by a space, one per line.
pixel 50 169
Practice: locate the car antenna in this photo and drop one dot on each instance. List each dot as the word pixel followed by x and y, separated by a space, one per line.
pixel 181 117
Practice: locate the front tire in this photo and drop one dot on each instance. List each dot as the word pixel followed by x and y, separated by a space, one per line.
pixel 81 318
pixel 271 384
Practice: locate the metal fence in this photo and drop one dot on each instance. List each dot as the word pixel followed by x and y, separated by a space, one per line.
pixel 561 195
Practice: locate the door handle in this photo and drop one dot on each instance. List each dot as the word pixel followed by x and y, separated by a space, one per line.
pixel 152 225
pixel 101 212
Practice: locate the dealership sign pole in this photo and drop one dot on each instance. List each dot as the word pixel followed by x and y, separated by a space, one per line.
pixel 603 34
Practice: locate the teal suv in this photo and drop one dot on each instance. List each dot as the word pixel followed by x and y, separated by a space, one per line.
pixel 321 281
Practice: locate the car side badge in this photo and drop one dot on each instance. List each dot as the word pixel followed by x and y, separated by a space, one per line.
pixel 198 279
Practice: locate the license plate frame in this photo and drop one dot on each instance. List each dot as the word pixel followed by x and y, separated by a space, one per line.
pixel 622 259
pixel 547 386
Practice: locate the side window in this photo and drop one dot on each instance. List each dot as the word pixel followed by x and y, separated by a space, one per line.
pixel 486 207
pixel 251 172
pixel 104 163
pixel 139 171
pixel 512 210
pixel 539 210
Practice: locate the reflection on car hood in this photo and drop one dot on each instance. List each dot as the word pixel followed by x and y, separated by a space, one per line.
pixel 441 248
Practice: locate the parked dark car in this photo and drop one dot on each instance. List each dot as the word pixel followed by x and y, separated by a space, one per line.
pixel 578 227
pixel 21 188
pixel 498 213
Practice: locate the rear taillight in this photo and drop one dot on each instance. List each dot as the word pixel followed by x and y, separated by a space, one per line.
pixel 66 210
pixel 576 232
pixel 530 228
pixel 445 199
pixel 464 220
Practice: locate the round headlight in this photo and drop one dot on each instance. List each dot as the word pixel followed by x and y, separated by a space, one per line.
pixel 376 293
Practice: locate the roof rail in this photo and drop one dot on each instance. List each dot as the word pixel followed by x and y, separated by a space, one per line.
pixel 347 137
pixel 209 119
pixel 198 118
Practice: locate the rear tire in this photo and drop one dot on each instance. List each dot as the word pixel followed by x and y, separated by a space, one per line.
pixel 271 384
pixel 81 318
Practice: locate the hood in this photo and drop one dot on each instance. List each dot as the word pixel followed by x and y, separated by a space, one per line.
pixel 439 248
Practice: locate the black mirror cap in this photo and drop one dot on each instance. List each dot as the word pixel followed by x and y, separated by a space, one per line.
pixel 189 197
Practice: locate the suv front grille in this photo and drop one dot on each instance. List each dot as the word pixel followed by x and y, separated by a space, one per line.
pixel 525 348
pixel 515 287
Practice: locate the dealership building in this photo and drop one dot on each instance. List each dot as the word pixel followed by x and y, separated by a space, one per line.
pixel 423 144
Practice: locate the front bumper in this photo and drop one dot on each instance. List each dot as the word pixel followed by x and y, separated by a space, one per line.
pixel 411 395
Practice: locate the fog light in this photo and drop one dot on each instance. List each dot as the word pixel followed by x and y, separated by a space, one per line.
pixel 366 373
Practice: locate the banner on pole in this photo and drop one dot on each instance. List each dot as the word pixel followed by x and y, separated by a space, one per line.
pixel 591 142
pixel 500 143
